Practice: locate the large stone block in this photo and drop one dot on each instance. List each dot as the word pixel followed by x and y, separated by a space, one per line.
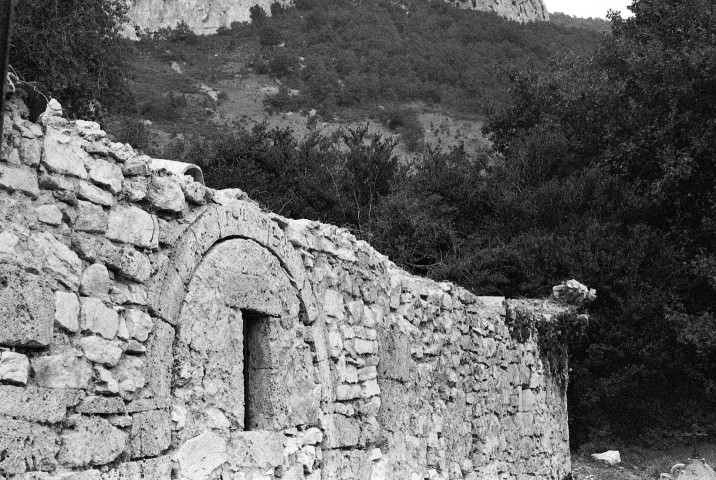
pixel 87 191
pixel 93 441
pixel 90 218
pixel 19 180
pixel 67 311
pixel 133 225
pixel 62 155
pixel 340 431
pixel 26 446
pixel 258 449
pixel 102 351
pixel 107 174
pixel 62 371
pixel 14 367
pixel 199 457
pixel 165 193
pixel 27 308
pixel 58 260
pixel 151 433
pixel 96 282
pixel 37 404
pixel 96 317
pixel 157 370
pixel 101 405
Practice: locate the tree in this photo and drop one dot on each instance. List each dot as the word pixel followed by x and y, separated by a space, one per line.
pixel 640 111
pixel 73 48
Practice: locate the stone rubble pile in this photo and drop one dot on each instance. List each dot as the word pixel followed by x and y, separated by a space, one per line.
pixel 107 340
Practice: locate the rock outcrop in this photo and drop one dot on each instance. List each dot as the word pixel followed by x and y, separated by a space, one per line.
pixel 188 334
pixel 207 16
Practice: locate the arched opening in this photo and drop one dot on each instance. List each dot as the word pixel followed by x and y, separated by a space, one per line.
pixel 241 360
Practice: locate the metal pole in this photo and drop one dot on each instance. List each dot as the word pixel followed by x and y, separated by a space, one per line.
pixel 6 13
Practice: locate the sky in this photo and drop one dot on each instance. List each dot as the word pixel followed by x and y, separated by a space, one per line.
pixel 588 8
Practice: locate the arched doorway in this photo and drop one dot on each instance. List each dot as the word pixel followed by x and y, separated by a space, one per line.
pixel 241 357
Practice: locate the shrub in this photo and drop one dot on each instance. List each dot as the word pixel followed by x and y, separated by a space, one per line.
pixel 134 132
pixel 257 15
pixel 74 49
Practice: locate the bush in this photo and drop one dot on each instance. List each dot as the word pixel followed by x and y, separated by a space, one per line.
pixel 181 33
pixel 74 49
pixel 406 122
pixel 134 132
pixel 257 15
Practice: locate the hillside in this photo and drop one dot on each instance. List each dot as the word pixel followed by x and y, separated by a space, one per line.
pixel 430 72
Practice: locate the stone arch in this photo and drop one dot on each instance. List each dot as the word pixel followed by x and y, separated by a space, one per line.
pixel 238 220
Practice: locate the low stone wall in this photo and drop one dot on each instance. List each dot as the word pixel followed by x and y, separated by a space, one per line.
pixel 153 328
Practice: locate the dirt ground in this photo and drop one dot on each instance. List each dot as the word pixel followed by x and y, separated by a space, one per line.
pixel 637 463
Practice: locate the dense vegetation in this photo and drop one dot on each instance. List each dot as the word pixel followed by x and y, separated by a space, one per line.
pixel 603 169
pixel 343 54
pixel 605 172
pixel 72 48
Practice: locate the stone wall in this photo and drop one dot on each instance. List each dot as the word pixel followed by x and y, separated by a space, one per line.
pixel 153 328
pixel 207 16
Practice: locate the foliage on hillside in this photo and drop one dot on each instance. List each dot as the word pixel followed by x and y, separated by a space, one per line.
pixel 343 54
pixel 73 48
pixel 605 172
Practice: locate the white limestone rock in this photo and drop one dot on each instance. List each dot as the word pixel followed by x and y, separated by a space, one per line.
pixel 133 225
pixel 61 155
pixel 107 174
pixel 62 371
pixel 89 192
pixel 49 214
pixel 19 180
pixel 14 367
pixel 611 457
pixel 96 282
pixel 139 324
pixel 199 457
pixel 93 441
pixel 165 193
pixel 96 317
pixel 102 351
pixel 91 218
pixel 67 311
pixel 59 261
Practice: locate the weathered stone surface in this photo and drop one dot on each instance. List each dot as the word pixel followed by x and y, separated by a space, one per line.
pixel 89 192
pixel 19 180
pixel 67 311
pixel 49 214
pixel 90 218
pixel 150 434
pixel 165 193
pixel 93 441
pixel 96 317
pixel 139 324
pixel 26 447
pixel 95 282
pixel 340 431
pixel 58 260
pixel 107 174
pixel 133 225
pixel 256 449
pixel 62 156
pixel 157 370
pixel 135 189
pixel 159 468
pixel 14 368
pixel 101 405
pixel 130 375
pixel 62 371
pixel 195 193
pixel 101 351
pixel 136 166
pixel 37 404
pixel 26 308
pixel 199 457
pixel 30 150
pixel 105 383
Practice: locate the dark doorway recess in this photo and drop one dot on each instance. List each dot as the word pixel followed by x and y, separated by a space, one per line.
pixel 257 369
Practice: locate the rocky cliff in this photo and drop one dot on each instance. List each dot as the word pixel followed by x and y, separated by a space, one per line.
pixel 205 16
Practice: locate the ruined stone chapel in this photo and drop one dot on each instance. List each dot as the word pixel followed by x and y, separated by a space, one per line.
pixel 154 328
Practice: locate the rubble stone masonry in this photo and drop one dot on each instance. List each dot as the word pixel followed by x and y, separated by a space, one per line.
pixel 153 328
